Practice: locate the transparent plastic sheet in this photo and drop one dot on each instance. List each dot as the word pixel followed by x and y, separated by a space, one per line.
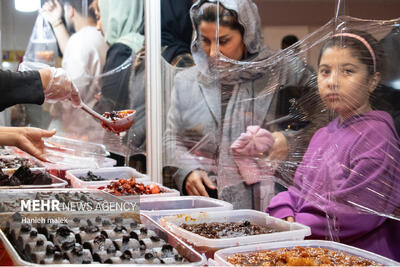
pixel 126 92
pixel 42 47
pixel 168 74
pixel 110 90
pixel 347 174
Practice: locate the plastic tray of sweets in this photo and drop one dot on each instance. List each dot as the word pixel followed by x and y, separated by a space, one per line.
pixel 288 231
pixel 221 255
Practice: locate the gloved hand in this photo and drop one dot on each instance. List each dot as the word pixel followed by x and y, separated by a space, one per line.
pixel 52 11
pixel 248 149
pixel 60 87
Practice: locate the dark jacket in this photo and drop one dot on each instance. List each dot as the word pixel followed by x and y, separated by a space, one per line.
pixel 20 88
pixel 115 79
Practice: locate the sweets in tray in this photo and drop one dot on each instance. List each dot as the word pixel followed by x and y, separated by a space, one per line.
pixel 24 176
pixel 127 187
pixel 216 230
pixel 299 256
pixel 13 162
pixel 208 232
pixel 106 239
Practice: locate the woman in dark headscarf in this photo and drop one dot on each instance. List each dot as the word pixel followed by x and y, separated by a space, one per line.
pixel 176 32
pixel 121 23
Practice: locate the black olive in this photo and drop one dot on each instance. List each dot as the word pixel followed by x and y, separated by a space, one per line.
pixel 63 231
pixel 148 256
pixel 50 249
pixel 25 228
pixel 119 228
pixel 33 233
pixel 155 238
pixel 125 239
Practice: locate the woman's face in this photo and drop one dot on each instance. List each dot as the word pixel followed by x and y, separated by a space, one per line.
pixel 98 17
pixel 231 42
pixel 343 82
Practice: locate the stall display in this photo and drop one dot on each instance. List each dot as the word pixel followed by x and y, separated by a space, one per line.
pixel 304 253
pixel 131 189
pixel 284 230
pixel 13 162
pixel 122 238
pixel 24 178
pixel 80 178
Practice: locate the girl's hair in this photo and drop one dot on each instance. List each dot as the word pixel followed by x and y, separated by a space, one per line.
pixel 208 12
pixel 374 63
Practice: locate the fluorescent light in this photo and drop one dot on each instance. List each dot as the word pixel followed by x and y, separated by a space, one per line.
pixel 27 5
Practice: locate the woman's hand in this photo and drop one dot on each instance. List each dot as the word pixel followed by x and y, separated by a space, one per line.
pixel 280 147
pixel 289 219
pixel 28 139
pixel 195 183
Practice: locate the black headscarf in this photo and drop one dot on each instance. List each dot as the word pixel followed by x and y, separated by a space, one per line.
pixel 176 27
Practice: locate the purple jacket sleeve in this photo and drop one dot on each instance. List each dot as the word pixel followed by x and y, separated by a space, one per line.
pixel 283 205
pixel 372 185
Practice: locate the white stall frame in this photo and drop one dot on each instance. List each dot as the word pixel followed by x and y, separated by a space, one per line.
pixel 154 93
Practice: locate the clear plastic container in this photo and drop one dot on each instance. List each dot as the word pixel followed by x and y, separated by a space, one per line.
pixel 194 258
pixel 289 231
pixel 157 208
pixel 76 147
pixel 221 255
pixel 113 173
pixel 108 162
pixel 55 182
pixel 67 151
pixel 64 162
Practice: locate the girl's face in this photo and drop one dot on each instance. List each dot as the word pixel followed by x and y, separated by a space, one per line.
pixel 343 82
pixel 231 42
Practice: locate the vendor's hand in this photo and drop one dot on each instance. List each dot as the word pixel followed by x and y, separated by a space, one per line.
pixel 280 148
pixel 28 139
pixel 57 86
pixel 289 219
pixel 52 11
pixel 195 183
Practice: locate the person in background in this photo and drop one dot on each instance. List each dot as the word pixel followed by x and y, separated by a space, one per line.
pixel 33 87
pixel 84 56
pixel 176 32
pixel 208 114
pixel 352 162
pixel 121 23
pixel 52 10
pixel 85 50
pixel 288 40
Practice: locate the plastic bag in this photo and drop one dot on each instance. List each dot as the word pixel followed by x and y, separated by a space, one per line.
pixel 42 45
